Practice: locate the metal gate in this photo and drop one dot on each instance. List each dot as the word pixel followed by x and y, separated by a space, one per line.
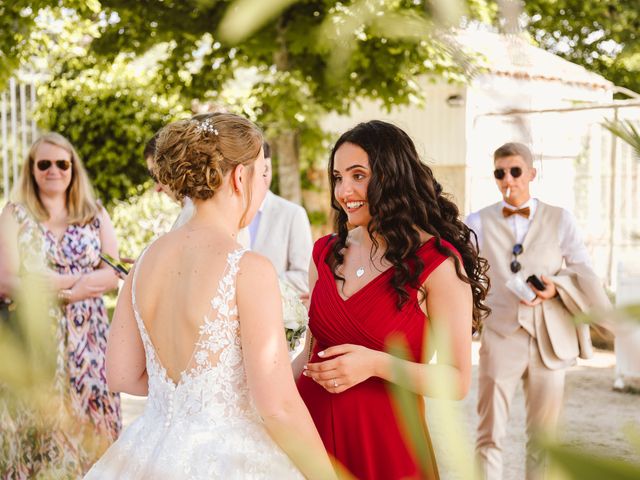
pixel 17 130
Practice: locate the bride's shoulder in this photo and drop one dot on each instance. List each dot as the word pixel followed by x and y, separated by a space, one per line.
pixel 256 276
pixel 253 263
pixel 158 244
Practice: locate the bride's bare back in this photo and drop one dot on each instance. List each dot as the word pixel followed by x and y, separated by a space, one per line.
pixel 174 287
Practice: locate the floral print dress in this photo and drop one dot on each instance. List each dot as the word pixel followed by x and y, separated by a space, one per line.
pixel 82 327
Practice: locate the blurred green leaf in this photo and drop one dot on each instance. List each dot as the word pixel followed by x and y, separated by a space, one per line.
pixel 627 131
pixel 624 313
pixel 244 17
pixel 407 410
pixel 580 465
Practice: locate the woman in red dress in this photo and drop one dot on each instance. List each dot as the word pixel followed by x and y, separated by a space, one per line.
pixel 401 259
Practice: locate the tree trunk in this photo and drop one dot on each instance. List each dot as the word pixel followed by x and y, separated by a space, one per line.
pixel 287 146
pixel 288 166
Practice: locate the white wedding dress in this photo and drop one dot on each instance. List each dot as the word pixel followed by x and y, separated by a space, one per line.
pixel 206 426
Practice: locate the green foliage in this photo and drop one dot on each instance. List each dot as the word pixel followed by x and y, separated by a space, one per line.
pixel 627 131
pixel 16 21
pixel 107 110
pixel 108 115
pixel 306 58
pixel 384 59
pixel 22 31
pixel 317 217
pixel 141 219
pixel 600 35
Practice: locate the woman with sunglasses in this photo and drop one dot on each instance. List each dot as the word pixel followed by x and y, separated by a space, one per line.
pixel 56 230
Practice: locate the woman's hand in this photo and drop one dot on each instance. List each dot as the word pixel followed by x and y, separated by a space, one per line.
pixel 351 365
pixel 83 289
pixel 63 281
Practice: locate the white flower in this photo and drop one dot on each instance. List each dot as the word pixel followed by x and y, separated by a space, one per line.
pixel 294 314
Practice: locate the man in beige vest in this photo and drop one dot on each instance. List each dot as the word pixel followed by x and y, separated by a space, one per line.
pixel 533 340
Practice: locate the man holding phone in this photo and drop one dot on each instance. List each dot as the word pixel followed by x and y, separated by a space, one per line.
pixel 540 275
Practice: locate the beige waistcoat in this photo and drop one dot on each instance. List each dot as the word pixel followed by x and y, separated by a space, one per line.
pixel 559 339
pixel 541 256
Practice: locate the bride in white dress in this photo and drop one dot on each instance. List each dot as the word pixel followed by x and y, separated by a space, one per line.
pixel 198 328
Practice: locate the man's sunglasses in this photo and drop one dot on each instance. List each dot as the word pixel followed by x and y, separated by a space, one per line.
pixel 515 265
pixel 499 173
pixel 44 165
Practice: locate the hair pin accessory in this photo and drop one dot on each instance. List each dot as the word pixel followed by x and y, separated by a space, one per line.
pixel 206 126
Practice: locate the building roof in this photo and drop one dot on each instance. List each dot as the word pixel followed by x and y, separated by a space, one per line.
pixel 512 55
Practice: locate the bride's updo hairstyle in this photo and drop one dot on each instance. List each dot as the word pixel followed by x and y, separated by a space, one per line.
pixel 193 156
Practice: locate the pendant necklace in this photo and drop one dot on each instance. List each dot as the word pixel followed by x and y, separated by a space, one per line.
pixel 360 269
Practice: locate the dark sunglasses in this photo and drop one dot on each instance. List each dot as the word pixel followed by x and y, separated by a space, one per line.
pixel 499 173
pixel 515 264
pixel 44 165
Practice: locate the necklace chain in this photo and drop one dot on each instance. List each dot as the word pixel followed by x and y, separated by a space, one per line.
pixel 362 266
pixel 360 270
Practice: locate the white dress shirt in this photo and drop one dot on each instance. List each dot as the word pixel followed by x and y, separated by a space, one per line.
pixel 572 245
pixel 255 223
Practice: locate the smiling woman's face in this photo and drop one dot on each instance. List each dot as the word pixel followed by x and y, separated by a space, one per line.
pixel 351 173
pixel 52 180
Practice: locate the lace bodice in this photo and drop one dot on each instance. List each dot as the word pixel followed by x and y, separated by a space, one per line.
pixel 205 426
pixel 214 383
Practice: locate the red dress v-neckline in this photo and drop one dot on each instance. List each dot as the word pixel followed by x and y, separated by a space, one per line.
pixel 370 282
pixel 364 287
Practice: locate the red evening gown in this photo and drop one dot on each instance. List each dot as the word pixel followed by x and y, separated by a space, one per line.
pixel 359 426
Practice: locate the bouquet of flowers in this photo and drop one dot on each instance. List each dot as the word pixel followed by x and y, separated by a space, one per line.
pixel 294 314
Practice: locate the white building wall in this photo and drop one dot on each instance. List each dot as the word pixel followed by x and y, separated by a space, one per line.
pixel 436 127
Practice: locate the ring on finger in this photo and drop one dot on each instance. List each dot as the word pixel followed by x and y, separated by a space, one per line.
pixel 335 383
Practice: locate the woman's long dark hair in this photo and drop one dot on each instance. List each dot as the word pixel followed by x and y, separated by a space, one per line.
pixel 402 195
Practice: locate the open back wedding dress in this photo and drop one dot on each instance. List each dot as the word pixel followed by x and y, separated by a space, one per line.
pixel 205 426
